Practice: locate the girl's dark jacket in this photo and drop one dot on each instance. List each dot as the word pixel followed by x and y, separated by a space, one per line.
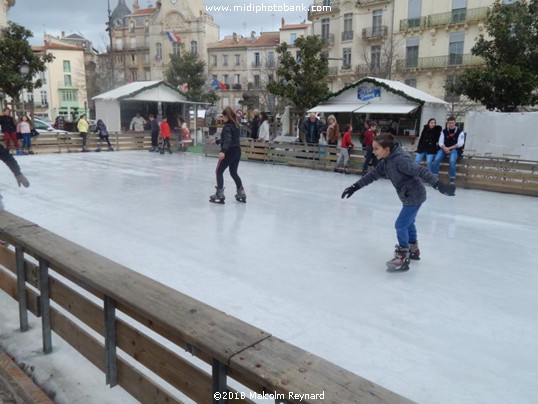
pixel 229 137
pixel 429 139
pixel 101 129
pixel 404 174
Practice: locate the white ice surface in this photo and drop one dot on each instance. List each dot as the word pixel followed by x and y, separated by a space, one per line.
pixel 297 261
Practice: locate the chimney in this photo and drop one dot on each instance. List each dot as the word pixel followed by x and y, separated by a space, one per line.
pixel 252 34
pixel 234 36
pixel 63 34
pixel 282 22
pixel 136 6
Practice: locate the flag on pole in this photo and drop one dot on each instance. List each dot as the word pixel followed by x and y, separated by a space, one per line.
pixel 173 37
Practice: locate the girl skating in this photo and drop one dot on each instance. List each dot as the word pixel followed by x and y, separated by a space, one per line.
pixel 396 165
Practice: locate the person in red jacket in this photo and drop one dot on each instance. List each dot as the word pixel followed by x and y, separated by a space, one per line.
pixel 371 130
pixel 166 134
pixel 345 147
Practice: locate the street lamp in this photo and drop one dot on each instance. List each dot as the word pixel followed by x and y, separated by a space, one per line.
pixel 24 70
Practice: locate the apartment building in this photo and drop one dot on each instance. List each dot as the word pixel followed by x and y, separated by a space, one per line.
pixel 143 39
pixel 247 64
pixel 63 90
pixel 423 43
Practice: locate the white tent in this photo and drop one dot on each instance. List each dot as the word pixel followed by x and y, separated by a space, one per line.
pixel 107 105
pixel 379 96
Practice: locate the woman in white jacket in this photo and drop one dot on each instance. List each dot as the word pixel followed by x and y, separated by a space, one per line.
pixel 264 128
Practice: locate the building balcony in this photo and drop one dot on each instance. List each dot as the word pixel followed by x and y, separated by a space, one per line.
pixel 333 71
pixel 347 36
pixel 328 39
pixel 368 3
pixel 369 70
pixel 439 62
pixel 375 32
pixel 323 7
pixel 256 65
pixel 69 86
pixel 410 24
pixel 461 16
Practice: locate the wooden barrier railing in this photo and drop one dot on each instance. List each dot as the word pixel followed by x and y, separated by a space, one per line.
pixel 124 310
pixel 501 174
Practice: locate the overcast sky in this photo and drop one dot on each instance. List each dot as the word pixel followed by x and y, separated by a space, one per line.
pixel 89 17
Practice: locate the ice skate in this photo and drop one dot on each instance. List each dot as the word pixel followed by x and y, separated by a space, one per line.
pixel 110 148
pixel 218 197
pixel 240 196
pixel 414 252
pixel 400 262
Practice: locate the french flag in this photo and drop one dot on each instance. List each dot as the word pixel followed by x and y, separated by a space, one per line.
pixel 173 37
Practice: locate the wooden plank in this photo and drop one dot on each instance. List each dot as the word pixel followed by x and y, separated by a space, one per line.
pixel 285 368
pixel 131 379
pixel 165 363
pixel 210 330
pixel 8 284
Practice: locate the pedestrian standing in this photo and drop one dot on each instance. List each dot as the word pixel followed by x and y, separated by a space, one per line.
pixel 83 127
pixel 24 127
pixel 154 129
pixel 9 130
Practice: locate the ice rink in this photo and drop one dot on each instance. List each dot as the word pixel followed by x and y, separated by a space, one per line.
pixel 297 261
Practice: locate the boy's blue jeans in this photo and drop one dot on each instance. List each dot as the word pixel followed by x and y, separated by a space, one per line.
pixel 429 159
pixel 405 225
pixel 452 159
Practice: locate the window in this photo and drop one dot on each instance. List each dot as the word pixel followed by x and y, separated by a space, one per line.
pixel 119 58
pixel 147 74
pixel 237 79
pixel 43 77
pixel 133 75
pixel 375 58
pixel 237 60
pixel 270 59
pixel 44 98
pixel 132 27
pixel 158 51
pixel 414 11
pixel 146 26
pixel 67 66
pixel 293 37
pixel 411 82
pixel 455 48
pixel 67 80
pixel 146 41
pixel 133 43
pixel 213 60
pixel 225 79
pixel 347 34
pixel 325 28
pixel 459 10
pixel 213 77
pixel 377 21
pixel 225 60
pixel 257 82
pixel 346 58
pixel 146 58
pixel 133 58
pixel 176 48
pixel 194 47
pixel 411 53
pixel 256 60
pixel 69 95
pixel 119 43
pixel 326 2
pixel 451 96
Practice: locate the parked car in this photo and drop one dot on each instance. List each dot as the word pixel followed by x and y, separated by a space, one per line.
pixel 45 127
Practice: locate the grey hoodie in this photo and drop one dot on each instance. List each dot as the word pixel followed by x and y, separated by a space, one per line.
pixel 404 174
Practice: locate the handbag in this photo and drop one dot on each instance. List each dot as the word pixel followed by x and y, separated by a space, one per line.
pixel 34 132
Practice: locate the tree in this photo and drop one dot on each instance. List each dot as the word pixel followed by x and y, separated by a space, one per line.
pixel 188 68
pixel 17 51
pixel 301 77
pixel 510 78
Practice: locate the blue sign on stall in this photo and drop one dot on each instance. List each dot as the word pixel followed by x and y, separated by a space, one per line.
pixel 368 94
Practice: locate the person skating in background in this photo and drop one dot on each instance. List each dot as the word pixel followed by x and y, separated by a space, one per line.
pixel 9 130
pixel 333 131
pixel 12 164
pixel 372 130
pixel 83 127
pixel 24 127
pixel 184 134
pixel 229 156
pixel 166 134
pixel 405 175
pixel 103 135
pixel 428 144
pixel 154 129
pixel 451 142
pixel 345 146
pixel 255 124
pixel 264 128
